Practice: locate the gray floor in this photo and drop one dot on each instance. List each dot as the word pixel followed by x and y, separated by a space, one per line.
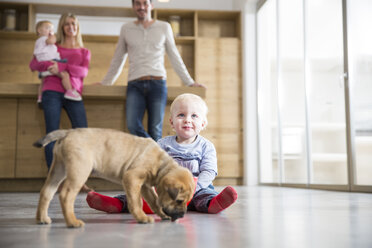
pixel 262 217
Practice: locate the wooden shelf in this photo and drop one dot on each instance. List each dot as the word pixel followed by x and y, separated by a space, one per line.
pixel 9 90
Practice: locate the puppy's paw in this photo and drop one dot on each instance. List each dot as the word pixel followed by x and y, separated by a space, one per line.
pixel 146 219
pixel 76 224
pixel 43 220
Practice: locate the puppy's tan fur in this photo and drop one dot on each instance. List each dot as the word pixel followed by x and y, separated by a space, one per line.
pixel 136 163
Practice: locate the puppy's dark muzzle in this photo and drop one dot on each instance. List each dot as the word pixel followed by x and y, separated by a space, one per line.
pixel 173 214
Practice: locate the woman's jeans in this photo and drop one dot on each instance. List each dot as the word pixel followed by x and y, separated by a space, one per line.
pixel 53 102
pixel 142 95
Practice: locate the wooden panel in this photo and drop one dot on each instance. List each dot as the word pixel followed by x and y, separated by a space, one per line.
pixel 218 67
pixel 220 181
pixel 102 54
pixel 8 130
pixel 218 24
pixel 106 114
pixel 216 29
pixel 187 54
pixel 229 165
pixel 30 160
pixel 14 61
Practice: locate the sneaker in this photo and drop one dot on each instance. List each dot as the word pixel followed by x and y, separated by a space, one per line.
pixel 45 74
pixel 72 95
pixel 223 200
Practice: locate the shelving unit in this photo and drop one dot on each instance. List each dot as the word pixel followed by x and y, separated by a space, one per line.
pixel 188 21
pixel 22 15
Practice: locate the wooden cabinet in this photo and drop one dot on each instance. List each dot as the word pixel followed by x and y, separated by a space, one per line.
pixel 8 127
pixel 209 43
pixel 22 15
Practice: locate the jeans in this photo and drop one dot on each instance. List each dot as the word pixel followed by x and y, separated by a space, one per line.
pixel 201 199
pixel 142 95
pixel 53 102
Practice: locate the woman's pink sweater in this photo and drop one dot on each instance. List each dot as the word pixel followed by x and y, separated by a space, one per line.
pixel 77 66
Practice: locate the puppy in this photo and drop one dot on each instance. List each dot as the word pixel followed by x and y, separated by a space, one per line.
pixel 136 163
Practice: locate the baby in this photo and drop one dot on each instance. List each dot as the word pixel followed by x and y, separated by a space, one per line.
pixel 46 50
pixel 190 150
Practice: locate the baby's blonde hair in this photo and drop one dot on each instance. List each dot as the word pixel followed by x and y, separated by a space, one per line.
pixel 41 23
pixel 195 99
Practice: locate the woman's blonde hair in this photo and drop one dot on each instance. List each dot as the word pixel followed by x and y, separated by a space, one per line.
pixel 61 34
pixel 192 98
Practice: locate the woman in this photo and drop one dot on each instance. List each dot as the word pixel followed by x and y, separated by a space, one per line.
pixel 70 46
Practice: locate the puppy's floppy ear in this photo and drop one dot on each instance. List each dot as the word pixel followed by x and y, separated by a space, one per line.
pixel 173 192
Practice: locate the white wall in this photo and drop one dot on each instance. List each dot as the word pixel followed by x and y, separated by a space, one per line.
pixel 248 8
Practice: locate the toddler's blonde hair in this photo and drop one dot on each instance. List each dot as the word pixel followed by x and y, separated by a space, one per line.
pixel 195 99
pixel 41 23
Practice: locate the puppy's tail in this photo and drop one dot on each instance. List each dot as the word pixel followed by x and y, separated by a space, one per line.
pixel 50 137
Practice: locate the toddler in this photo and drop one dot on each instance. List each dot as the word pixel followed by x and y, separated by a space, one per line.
pixel 190 150
pixel 46 50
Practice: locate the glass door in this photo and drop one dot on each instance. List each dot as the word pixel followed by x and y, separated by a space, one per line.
pixel 291 87
pixel 326 93
pixel 267 95
pixel 360 80
pixel 314 81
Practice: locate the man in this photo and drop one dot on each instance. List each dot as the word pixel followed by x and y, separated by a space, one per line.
pixel 145 41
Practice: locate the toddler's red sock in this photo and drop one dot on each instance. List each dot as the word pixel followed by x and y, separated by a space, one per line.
pixel 104 203
pixel 223 200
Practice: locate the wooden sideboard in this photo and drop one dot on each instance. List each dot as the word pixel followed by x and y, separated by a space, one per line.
pixel 22 166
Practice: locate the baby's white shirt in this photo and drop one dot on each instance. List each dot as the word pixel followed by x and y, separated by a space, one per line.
pixel 45 52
